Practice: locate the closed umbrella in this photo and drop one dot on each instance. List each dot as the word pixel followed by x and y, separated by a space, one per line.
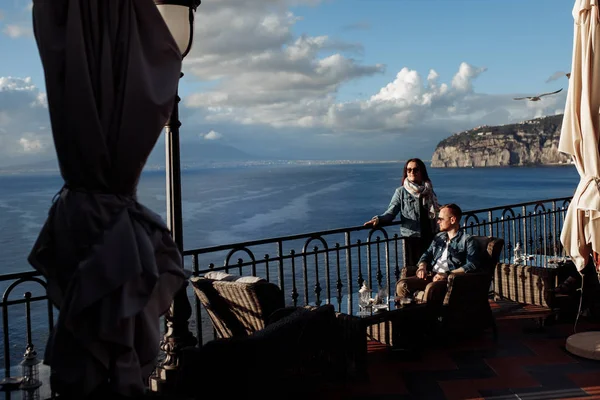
pixel 111 70
pixel 579 135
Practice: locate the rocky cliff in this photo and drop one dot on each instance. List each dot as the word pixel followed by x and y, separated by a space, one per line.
pixel 533 142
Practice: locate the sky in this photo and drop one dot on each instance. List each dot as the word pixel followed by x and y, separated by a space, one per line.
pixel 329 79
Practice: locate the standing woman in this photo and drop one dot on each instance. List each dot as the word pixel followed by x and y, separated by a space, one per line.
pixel 418 207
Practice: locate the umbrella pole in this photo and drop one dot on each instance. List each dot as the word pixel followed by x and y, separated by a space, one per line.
pixel 177 334
pixel 586 344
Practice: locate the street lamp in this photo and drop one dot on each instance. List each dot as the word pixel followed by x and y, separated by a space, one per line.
pixel 179 17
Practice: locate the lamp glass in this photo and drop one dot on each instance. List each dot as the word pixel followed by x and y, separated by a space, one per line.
pixel 177 19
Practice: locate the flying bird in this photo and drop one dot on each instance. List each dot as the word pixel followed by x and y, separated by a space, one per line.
pixel 536 98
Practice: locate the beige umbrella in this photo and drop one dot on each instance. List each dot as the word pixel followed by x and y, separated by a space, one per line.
pixel 579 136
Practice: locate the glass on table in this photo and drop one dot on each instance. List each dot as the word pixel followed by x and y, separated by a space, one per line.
pixel 365 302
pixel 382 299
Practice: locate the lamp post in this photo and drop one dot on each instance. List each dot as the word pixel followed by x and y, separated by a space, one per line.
pixel 179 17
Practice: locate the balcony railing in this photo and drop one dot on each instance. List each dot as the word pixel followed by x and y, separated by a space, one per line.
pixel 311 268
pixel 329 266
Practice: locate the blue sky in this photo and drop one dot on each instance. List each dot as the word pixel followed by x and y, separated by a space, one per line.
pixel 333 79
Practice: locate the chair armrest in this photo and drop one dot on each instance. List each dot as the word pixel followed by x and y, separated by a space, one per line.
pixel 279 314
pixel 409 270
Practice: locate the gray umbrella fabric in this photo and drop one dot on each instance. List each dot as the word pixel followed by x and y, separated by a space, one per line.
pixel 111 70
pixel 579 135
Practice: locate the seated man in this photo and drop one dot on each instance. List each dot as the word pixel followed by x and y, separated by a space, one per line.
pixel 452 251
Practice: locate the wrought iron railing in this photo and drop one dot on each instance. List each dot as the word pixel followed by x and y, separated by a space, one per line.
pixel 329 266
pixel 312 268
pixel 29 325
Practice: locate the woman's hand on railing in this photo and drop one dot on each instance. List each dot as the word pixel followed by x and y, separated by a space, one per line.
pixel 372 222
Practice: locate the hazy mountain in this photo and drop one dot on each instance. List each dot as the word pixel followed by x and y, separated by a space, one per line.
pixel 213 151
pixel 38 166
pixel 202 153
pixel 192 154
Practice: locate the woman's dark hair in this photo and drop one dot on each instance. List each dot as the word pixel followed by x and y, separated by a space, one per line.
pixel 422 168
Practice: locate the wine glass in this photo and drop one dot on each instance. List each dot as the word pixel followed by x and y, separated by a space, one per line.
pixel 382 299
pixel 364 301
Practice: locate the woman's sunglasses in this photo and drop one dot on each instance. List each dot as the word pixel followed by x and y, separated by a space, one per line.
pixel 415 170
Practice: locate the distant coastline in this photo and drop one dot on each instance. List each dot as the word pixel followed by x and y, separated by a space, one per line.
pixel 21 169
pixel 33 170
pixel 255 163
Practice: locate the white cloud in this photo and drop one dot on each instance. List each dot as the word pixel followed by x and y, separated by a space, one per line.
pixel 406 105
pixel 264 76
pixel 24 122
pixel 465 75
pixel 270 88
pixel 9 83
pixel 31 144
pixel 213 135
pixel 17 31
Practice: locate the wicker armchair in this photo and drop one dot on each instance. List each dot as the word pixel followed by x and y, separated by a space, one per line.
pixel 298 352
pixel 255 310
pixel 238 308
pixel 466 307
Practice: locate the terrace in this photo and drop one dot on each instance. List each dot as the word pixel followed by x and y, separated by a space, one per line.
pixel 328 267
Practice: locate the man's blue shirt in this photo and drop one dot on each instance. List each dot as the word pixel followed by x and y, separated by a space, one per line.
pixel 463 251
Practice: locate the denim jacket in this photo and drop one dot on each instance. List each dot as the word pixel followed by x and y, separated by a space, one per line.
pixel 462 251
pixel 410 213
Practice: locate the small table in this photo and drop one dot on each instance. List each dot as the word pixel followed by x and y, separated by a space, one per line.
pixel 397 326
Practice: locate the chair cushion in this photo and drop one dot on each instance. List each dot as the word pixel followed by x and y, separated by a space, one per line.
pixel 223 276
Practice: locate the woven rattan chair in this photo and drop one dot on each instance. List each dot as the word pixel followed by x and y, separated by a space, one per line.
pixel 238 308
pixel 243 309
pixel 298 352
pixel 466 307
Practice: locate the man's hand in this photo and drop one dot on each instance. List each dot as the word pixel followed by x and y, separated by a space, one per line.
pixel 422 271
pixel 372 222
pixel 439 277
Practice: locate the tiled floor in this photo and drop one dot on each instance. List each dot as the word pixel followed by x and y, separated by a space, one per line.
pixel 521 365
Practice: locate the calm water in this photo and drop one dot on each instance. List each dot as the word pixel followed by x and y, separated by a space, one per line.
pixel 228 205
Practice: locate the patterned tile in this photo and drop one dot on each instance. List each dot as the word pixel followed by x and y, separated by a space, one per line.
pixel 589 381
pixel 520 365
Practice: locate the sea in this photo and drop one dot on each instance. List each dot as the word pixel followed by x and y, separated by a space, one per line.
pixel 230 204
pixel 234 204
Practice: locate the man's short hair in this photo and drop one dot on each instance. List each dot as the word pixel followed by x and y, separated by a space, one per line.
pixel 454 210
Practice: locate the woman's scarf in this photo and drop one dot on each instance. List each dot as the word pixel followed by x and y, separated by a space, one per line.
pixel 426 194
